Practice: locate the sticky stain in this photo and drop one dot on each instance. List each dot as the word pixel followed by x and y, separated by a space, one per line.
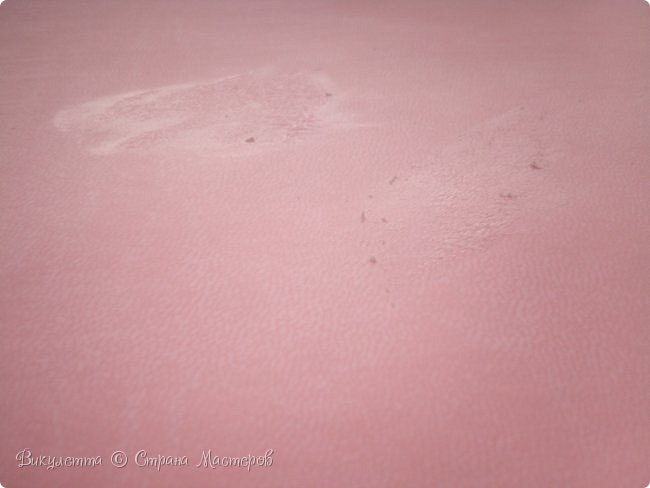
pixel 210 116
pixel 372 260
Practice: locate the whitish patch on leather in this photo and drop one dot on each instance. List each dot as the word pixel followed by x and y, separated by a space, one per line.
pixel 234 115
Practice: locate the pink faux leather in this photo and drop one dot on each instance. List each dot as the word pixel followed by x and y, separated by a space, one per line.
pixel 399 244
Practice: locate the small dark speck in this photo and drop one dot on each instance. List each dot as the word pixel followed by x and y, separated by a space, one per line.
pixel 250 139
pixel 392 180
pixel 363 217
pixel 534 165
pixel 507 196
pixel 328 94
pixel 383 219
pixel 371 196
pixel 372 260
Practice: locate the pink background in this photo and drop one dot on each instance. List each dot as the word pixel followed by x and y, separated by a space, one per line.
pixel 428 267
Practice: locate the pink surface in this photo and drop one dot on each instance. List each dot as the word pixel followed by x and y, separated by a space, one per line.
pixel 399 244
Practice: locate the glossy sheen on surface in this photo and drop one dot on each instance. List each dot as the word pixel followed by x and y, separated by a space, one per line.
pixel 398 243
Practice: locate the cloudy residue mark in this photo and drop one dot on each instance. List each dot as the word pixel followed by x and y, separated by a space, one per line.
pixel 211 116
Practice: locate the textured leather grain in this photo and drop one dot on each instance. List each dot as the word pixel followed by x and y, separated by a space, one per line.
pixel 396 244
